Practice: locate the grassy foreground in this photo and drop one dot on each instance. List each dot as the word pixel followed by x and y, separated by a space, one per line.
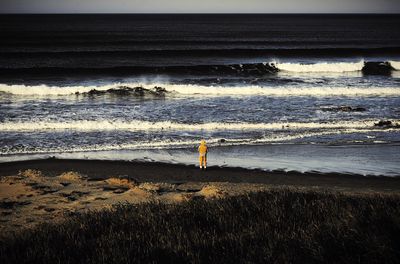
pixel 280 226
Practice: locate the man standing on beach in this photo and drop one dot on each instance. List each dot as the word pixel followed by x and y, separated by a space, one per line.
pixel 203 149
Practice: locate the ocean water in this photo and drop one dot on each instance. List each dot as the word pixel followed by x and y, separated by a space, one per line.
pixel 292 92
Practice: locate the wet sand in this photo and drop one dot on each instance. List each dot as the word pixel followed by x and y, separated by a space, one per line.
pixel 175 173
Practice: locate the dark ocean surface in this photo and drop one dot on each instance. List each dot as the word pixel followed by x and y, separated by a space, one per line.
pixel 265 91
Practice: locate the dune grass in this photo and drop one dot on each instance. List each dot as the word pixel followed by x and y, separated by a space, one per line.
pixel 275 226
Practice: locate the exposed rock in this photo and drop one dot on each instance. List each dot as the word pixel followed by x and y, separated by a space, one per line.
pixel 377 68
pixel 359 109
pixel 351 109
pixel 387 124
pixel 383 123
pixel 129 91
pixel 136 91
pixel 160 90
pixel 344 108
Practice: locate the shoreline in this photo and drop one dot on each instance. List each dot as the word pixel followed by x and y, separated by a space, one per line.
pixel 141 171
pixel 373 160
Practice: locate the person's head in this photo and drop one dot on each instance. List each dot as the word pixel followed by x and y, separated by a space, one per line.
pixel 202 142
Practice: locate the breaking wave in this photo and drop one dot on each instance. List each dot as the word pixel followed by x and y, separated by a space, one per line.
pixel 395 65
pixel 245 69
pixel 139 125
pixel 321 67
pixel 193 90
pixel 178 144
pixel 367 68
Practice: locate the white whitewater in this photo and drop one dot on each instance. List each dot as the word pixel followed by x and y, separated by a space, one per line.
pixel 193 90
pixel 138 125
pixel 177 144
pixel 395 65
pixel 338 67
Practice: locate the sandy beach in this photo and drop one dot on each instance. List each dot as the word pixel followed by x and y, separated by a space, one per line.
pixel 38 191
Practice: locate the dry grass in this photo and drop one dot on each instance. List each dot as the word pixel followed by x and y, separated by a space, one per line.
pixel 121 182
pixel 71 176
pixel 31 174
pixel 211 191
pixel 278 225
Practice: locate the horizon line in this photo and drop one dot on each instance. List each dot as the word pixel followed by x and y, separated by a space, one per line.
pixel 194 13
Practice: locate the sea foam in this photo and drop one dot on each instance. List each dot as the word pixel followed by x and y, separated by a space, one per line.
pixel 395 65
pixel 193 90
pixel 321 67
pixel 139 125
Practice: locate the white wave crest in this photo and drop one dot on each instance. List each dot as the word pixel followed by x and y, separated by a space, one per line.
pixel 43 90
pixel 283 91
pixel 138 125
pixel 395 65
pixel 193 90
pixel 321 67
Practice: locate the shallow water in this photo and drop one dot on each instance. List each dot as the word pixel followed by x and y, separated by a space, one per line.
pixel 372 159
